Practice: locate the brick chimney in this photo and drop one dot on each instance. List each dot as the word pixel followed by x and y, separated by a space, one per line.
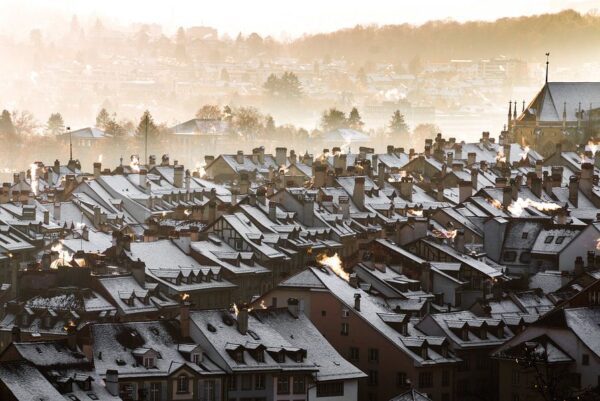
pixel 358 195
pixel 97 169
pixel 574 190
pixel 242 319
pixel 280 156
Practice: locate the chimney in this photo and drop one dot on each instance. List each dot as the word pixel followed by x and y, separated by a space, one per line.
pixel 97 169
pixel 390 149
pixel 16 334
pixel 573 190
pixel 357 302
pixel 320 175
pixel 358 195
pixel 273 211
pixel 212 211
pixel 465 190
pixel 536 186
pixel 506 151
pixel 471 158
pixel 586 180
pixel 151 162
pixel 293 157
pixel 242 319
pixel 188 181
pixel 56 215
pixel 514 187
pixel 561 217
pixel 547 182
pixel 353 280
pixel 208 159
pixel 178 176
pixel 406 188
pixel 381 175
pixel 46 216
pixel 142 178
pixel 449 158
pixel 500 182
pixel 344 203
pixel 72 337
pixel 539 167
pixel 244 185
pixel 280 156
pixel 579 266
pixel 111 382
pixel 474 178
pixel 165 160
pixel 506 196
pixel 459 241
pixel 184 319
pixel 293 306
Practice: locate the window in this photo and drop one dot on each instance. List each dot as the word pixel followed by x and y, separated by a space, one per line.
pixel 373 377
pixel 128 391
pixel 560 240
pixel 259 381
pixel 330 389
pixel 510 256
pixel 208 390
pixel 425 379
pixel 400 379
pixel 524 235
pixel 585 359
pixel 525 257
pixel 373 355
pixel 323 313
pixel 196 358
pixel 345 313
pixel 549 239
pixel 148 363
pixel 345 329
pixel 246 382
pixel 155 391
pixel 299 385
pixel 183 384
pixel 445 377
pixel 283 385
pixel 354 354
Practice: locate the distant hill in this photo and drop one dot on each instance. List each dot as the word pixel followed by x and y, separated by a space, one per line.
pixel 567 35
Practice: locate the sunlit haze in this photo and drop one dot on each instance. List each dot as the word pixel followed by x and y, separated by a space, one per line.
pixel 278 18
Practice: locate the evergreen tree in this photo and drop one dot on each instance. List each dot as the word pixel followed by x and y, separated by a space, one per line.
pixel 397 124
pixel 56 124
pixel 147 125
pixel 102 119
pixel 354 119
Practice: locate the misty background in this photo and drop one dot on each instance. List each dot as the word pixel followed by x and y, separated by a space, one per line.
pixel 275 73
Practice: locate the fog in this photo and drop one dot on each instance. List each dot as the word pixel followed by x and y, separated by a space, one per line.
pixel 65 66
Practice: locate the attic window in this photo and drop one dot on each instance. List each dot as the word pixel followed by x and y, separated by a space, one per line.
pixel 549 239
pixel 149 362
pixel 524 235
pixel 560 240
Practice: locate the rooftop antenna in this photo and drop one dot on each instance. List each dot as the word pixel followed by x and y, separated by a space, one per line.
pixel 547 63
pixel 70 143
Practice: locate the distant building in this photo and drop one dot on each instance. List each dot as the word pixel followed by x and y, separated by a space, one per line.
pixel 562 112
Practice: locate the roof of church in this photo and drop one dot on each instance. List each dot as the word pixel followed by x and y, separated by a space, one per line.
pixel 550 102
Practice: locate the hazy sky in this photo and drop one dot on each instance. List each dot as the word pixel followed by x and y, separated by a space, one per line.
pixel 279 18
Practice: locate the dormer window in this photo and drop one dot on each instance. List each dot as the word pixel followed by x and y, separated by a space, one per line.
pixel 196 358
pixel 149 362
pixel 464 334
pixel 424 352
